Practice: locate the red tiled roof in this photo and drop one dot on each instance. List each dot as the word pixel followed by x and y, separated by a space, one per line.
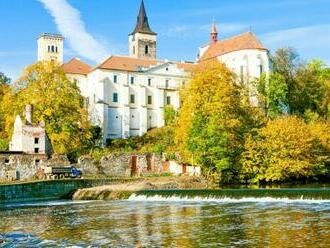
pixel 240 42
pixel 125 63
pixel 75 66
pixel 133 64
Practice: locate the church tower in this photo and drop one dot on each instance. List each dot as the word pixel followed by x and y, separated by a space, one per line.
pixel 50 48
pixel 214 33
pixel 143 41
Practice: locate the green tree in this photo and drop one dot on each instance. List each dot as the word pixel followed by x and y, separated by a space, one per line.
pixel 170 115
pixel 312 90
pixel 56 101
pixel 273 94
pixel 213 120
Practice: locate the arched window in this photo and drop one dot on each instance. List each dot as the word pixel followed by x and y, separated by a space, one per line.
pixel 56 49
pixel 146 49
pixel 53 49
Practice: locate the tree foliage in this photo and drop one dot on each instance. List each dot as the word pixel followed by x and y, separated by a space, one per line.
pixel 4 88
pixel 213 119
pixel 286 149
pixel 170 115
pixel 56 101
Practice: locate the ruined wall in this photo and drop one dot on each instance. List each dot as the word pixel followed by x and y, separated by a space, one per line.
pixel 29 166
pixel 121 165
pixel 20 166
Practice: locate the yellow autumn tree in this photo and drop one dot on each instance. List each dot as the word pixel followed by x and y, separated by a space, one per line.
pixel 213 120
pixel 286 149
pixel 57 102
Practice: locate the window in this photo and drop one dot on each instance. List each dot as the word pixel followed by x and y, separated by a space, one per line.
pixel 36 140
pixel 56 49
pixel 115 78
pixel 49 49
pixel 87 102
pixel 7 161
pixel 37 162
pixel 166 68
pixel 36 150
pixel 146 49
pixel 132 80
pixel 149 81
pixel 53 49
pixel 115 97
pixel 167 83
pixel 149 100
pixel 132 100
pixel 168 100
pixel 261 69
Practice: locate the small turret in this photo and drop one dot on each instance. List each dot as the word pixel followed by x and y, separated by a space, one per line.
pixel 214 33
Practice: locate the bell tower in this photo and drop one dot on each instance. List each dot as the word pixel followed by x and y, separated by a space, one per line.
pixel 143 41
pixel 50 48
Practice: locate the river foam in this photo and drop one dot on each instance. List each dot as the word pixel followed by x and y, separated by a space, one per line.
pixel 199 199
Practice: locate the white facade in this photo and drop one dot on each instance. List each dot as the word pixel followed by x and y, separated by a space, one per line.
pixel 29 138
pixel 128 104
pixel 50 48
pixel 126 95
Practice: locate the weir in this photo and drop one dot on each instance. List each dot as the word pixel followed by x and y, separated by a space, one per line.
pixel 235 195
pixel 50 190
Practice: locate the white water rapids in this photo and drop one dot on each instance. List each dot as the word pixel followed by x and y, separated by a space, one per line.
pixel 199 199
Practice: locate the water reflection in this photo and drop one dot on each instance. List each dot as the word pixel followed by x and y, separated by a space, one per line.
pixel 147 224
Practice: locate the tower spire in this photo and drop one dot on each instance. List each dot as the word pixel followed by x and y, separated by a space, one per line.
pixel 214 33
pixel 142 24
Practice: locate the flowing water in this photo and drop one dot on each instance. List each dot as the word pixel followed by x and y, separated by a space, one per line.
pixel 172 219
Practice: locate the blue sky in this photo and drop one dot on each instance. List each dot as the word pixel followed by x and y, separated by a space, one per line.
pixel 95 29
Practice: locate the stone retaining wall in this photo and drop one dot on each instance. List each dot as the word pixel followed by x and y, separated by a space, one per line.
pixel 28 166
pixel 121 165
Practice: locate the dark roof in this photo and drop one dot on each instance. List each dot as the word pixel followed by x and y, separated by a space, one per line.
pixel 142 24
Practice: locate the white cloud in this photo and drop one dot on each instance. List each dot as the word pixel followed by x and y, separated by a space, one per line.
pixel 71 26
pixel 310 41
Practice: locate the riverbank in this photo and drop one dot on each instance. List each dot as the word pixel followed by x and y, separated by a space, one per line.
pixel 124 190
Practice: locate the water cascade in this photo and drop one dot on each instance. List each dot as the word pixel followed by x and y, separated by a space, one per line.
pixel 235 195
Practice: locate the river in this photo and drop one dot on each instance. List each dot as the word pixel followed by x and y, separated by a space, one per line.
pixel 172 221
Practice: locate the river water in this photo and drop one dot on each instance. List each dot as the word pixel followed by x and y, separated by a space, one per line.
pixel 155 221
